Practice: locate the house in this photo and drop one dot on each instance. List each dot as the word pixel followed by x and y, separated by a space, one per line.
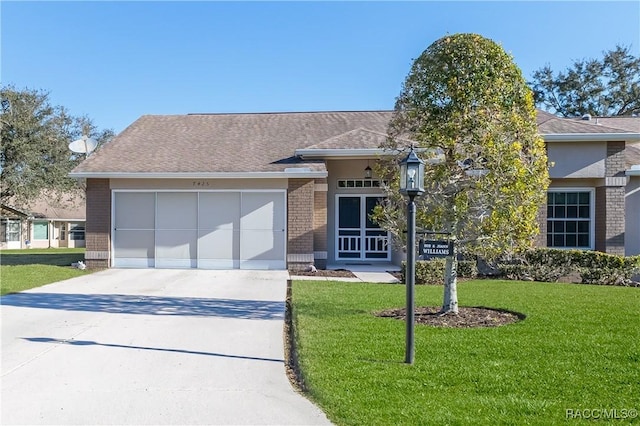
pixel 49 222
pixel 285 190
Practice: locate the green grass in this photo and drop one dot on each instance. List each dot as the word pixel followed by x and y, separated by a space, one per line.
pixel 24 269
pixel 577 349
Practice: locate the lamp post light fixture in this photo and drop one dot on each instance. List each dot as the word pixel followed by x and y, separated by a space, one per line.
pixel 411 186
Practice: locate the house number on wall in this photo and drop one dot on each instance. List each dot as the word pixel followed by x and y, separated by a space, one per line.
pixel 200 183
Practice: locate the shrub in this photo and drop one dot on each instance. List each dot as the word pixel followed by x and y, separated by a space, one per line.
pixel 605 269
pixel 538 264
pixel 432 271
pixel 544 264
pixel 467 269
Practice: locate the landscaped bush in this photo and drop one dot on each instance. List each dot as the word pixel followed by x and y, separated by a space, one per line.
pixel 605 269
pixel 432 271
pixel 539 264
pixel 548 265
pixel 467 269
pixel 542 264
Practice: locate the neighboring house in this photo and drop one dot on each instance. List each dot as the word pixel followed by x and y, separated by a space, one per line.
pixel 44 224
pixel 285 190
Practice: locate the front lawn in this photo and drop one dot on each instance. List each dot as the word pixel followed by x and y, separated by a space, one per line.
pixel 577 352
pixel 25 269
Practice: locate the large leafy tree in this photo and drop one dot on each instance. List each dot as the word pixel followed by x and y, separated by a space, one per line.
pixel 34 150
pixel 609 86
pixel 469 111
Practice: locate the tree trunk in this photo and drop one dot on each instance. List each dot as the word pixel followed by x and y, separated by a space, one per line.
pixel 450 303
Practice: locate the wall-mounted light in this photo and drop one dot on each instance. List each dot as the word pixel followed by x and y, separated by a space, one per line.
pixel 368 173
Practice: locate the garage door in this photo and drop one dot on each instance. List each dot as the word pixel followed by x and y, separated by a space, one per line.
pixel 209 230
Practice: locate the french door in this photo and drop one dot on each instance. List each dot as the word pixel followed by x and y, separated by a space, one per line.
pixel 358 237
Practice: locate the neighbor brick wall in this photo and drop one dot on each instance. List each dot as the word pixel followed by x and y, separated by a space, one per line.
pixel 610 203
pixel 541 239
pixel 615 163
pixel 300 206
pixel 610 219
pixel 98 226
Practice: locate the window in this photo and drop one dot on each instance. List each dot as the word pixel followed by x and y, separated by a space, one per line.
pixel 570 219
pixel 76 231
pixel 40 230
pixel 361 183
pixel 10 230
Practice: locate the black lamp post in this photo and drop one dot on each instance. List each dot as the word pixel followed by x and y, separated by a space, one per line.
pixel 411 186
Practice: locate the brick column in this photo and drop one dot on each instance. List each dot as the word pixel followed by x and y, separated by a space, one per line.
pixel 320 223
pixel 541 239
pixel 610 203
pixel 300 206
pixel 98 227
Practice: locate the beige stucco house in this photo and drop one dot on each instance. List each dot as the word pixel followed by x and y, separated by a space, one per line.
pixel 285 190
pixel 50 222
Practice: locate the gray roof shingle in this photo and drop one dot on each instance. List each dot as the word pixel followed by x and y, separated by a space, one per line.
pixel 224 142
pixel 262 142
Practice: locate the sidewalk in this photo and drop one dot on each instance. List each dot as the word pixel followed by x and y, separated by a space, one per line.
pixel 363 275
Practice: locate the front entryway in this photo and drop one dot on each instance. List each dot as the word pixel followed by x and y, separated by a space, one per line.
pixel 358 237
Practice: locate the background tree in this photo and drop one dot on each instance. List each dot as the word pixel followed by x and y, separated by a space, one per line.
pixel 34 150
pixel 609 86
pixel 466 102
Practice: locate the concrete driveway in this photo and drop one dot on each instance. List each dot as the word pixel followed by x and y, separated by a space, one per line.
pixel 150 347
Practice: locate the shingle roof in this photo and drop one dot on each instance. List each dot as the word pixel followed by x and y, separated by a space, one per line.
pixel 261 142
pixel 224 142
pixel 550 124
pixel 68 206
pixel 629 124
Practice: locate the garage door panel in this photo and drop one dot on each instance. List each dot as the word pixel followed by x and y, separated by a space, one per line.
pixel 176 249
pixel 262 210
pixel 219 210
pixel 218 249
pixel 177 210
pixel 134 248
pixel 134 210
pixel 262 249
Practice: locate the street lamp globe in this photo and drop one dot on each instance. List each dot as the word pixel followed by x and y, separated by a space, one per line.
pixel 412 175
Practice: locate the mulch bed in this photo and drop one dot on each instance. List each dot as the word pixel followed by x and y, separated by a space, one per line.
pixel 467 317
pixel 340 273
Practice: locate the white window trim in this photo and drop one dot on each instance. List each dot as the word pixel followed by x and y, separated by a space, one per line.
pixel 592 214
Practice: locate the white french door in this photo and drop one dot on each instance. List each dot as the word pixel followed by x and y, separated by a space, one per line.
pixel 357 236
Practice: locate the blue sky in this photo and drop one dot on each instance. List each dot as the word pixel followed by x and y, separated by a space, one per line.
pixel 115 61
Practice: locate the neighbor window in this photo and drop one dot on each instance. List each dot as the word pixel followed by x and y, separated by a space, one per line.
pixel 9 230
pixel 76 231
pixel 40 230
pixel 570 219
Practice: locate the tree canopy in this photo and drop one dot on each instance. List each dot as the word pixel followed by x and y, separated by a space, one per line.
pixel 465 102
pixel 609 86
pixel 34 150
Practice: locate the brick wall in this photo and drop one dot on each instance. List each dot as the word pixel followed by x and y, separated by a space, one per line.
pixel 320 223
pixel 300 223
pixel 98 226
pixel 541 238
pixel 615 164
pixel 610 203
pixel 610 219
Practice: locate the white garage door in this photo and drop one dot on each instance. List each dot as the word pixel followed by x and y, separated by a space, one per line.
pixel 209 230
